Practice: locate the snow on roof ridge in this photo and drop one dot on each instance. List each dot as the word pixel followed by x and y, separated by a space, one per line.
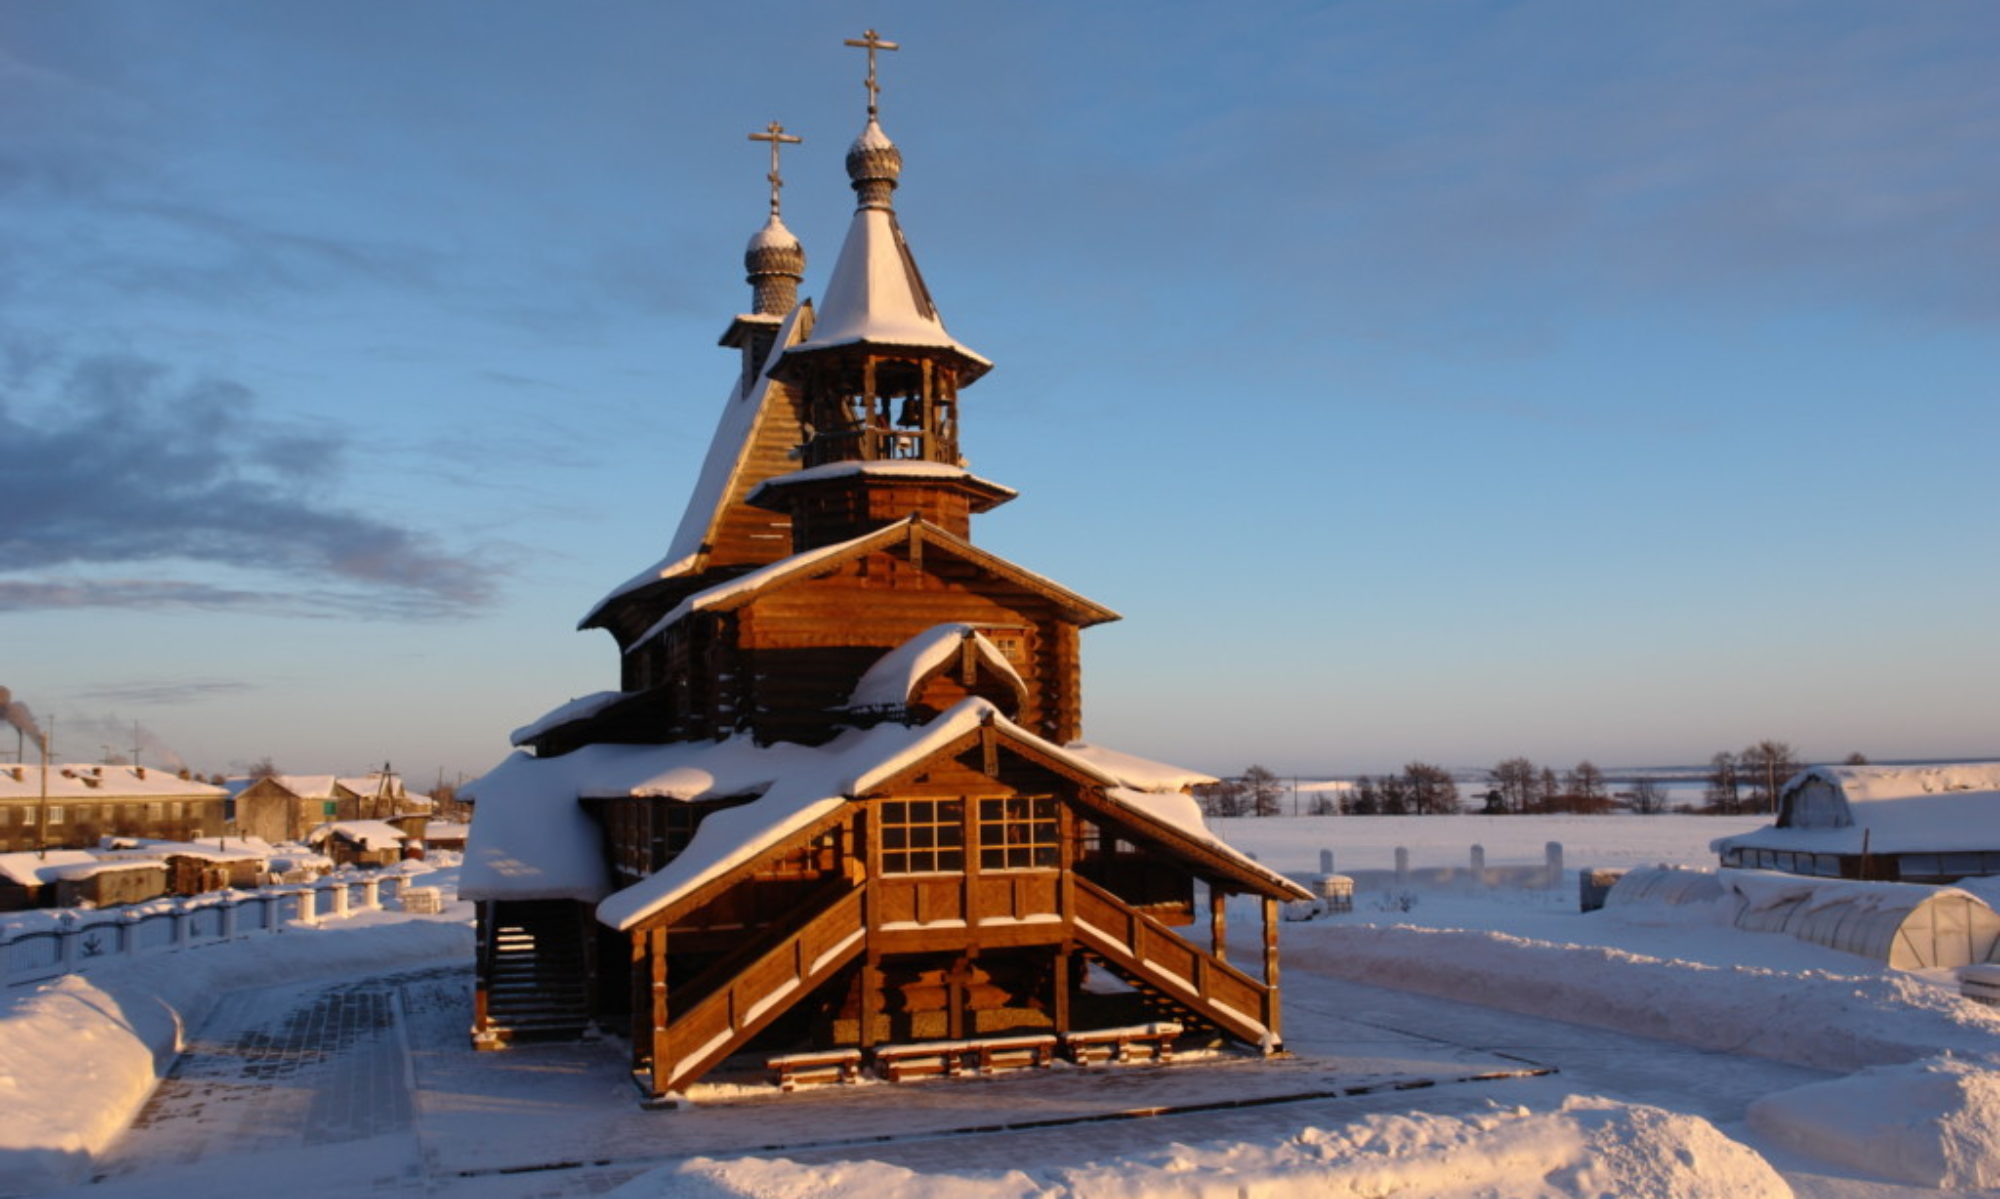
pixel 876 295
pixel 728 446
pixel 892 676
pixel 1871 784
pixel 905 467
pixel 576 709
pixel 1137 773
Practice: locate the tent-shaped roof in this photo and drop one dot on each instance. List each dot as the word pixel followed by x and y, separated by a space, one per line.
pixel 876 295
pixel 722 481
pixel 741 590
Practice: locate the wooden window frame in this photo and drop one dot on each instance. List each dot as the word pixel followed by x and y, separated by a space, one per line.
pixel 1019 832
pixel 922 836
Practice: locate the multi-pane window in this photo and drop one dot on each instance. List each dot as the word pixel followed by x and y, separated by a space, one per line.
pixel 1018 833
pixel 922 836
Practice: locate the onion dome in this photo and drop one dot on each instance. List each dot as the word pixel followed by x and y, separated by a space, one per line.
pixel 774 264
pixel 873 166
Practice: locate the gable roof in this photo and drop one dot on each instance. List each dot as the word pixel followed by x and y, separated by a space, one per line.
pixel 721 481
pixel 531 839
pixel 72 780
pixel 741 590
pixel 895 674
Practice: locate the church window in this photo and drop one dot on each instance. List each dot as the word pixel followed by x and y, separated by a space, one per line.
pixel 1012 644
pixel 923 836
pixel 1018 833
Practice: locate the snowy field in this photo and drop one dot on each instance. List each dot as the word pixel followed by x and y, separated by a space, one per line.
pixel 1446 1039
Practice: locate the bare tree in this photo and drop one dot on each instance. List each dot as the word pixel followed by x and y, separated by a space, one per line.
pixel 1767 765
pixel 1225 798
pixel 1583 789
pixel 1649 797
pixel 1364 800
pixel 1433 792
pixel 1725 785
pixel 1264 793
pixel 1857 758
pixel 1547 791
pixel 1514 779
pixel 263 768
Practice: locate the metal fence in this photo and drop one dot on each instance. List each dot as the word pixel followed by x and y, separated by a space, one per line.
pixel 90 937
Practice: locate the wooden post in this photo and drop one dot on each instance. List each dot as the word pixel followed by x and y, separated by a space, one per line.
pixel 663 1062
pixel 642 1022
pixel 1061 975
pixel 1271 970
pixel 954 1004
pixel 1218 922
pixel 871 920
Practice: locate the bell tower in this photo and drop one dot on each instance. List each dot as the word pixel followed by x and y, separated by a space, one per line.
pixel 879 378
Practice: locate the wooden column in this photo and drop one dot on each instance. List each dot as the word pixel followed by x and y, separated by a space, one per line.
pixel 954 1004
pixel 1218 922
pixel 871 920
pixel 1271 970
pixel 663 1060
pixel 642 1004
pixel 1061 976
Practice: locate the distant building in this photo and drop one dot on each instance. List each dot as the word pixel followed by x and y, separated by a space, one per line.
pixel 87 802
pixel 1922 824
pixel 286 807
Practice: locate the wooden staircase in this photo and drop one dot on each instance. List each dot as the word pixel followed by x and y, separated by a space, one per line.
pixel 532 975
pixel 1168 971
pixel 783 966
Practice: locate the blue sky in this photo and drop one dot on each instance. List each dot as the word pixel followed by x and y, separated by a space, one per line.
pixel 1446 381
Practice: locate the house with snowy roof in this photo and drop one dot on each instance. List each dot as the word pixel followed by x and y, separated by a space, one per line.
pixel 1923 824
pixel 288 807
pixel 838 804
pixel 77 804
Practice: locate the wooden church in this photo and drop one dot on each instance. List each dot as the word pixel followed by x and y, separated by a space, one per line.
pixel 837 814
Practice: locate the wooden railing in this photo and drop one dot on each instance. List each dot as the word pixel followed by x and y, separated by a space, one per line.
pixel 719 1023
pixel 1135 942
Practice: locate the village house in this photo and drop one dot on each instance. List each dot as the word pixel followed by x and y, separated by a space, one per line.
pixel 288 807
pixel 74 805
pixel 837 811
pixel 1921 824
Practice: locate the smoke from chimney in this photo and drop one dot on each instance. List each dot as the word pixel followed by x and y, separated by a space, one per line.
pixel 16 713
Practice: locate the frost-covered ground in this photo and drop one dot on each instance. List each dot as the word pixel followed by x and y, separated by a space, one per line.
pixel 1554 1054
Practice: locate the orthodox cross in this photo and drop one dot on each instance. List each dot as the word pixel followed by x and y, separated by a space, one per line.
pixel 776 135
pixel 872 42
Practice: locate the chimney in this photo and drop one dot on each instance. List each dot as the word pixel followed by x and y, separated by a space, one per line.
pixel 139 771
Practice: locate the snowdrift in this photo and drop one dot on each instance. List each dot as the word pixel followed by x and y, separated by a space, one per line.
pixel 1587 1147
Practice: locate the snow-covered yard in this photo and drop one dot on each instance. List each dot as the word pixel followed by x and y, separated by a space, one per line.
pixel 1448 1040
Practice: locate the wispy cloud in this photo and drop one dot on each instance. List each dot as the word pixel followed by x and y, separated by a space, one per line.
pixel 130 465
pixel 154 693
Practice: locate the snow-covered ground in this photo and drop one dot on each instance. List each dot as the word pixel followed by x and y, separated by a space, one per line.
pixel 1553 1053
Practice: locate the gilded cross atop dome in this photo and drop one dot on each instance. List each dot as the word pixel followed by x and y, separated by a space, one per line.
pixel 872 41
pixel 776 135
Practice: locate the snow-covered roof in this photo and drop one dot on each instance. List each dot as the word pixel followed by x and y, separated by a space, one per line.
pixel 576 709
pixel 305 786
pixel 1939 823
pixel 728 448
pixel 732 592
pixel 895 674
pixel 368 834
pixel 1135 772
pixel 877 296
pixel 34 869
pixel 72 780
pixel 1871 784
pixel 907 468
pixel 531 839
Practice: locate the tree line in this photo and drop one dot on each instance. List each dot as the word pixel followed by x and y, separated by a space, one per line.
pixel 1737 783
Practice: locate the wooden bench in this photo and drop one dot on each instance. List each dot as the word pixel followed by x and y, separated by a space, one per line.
pixel 921 1059
pixel 1131 1043
pixel 950 1059
pixel 1011 1053
pixel 811 1069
